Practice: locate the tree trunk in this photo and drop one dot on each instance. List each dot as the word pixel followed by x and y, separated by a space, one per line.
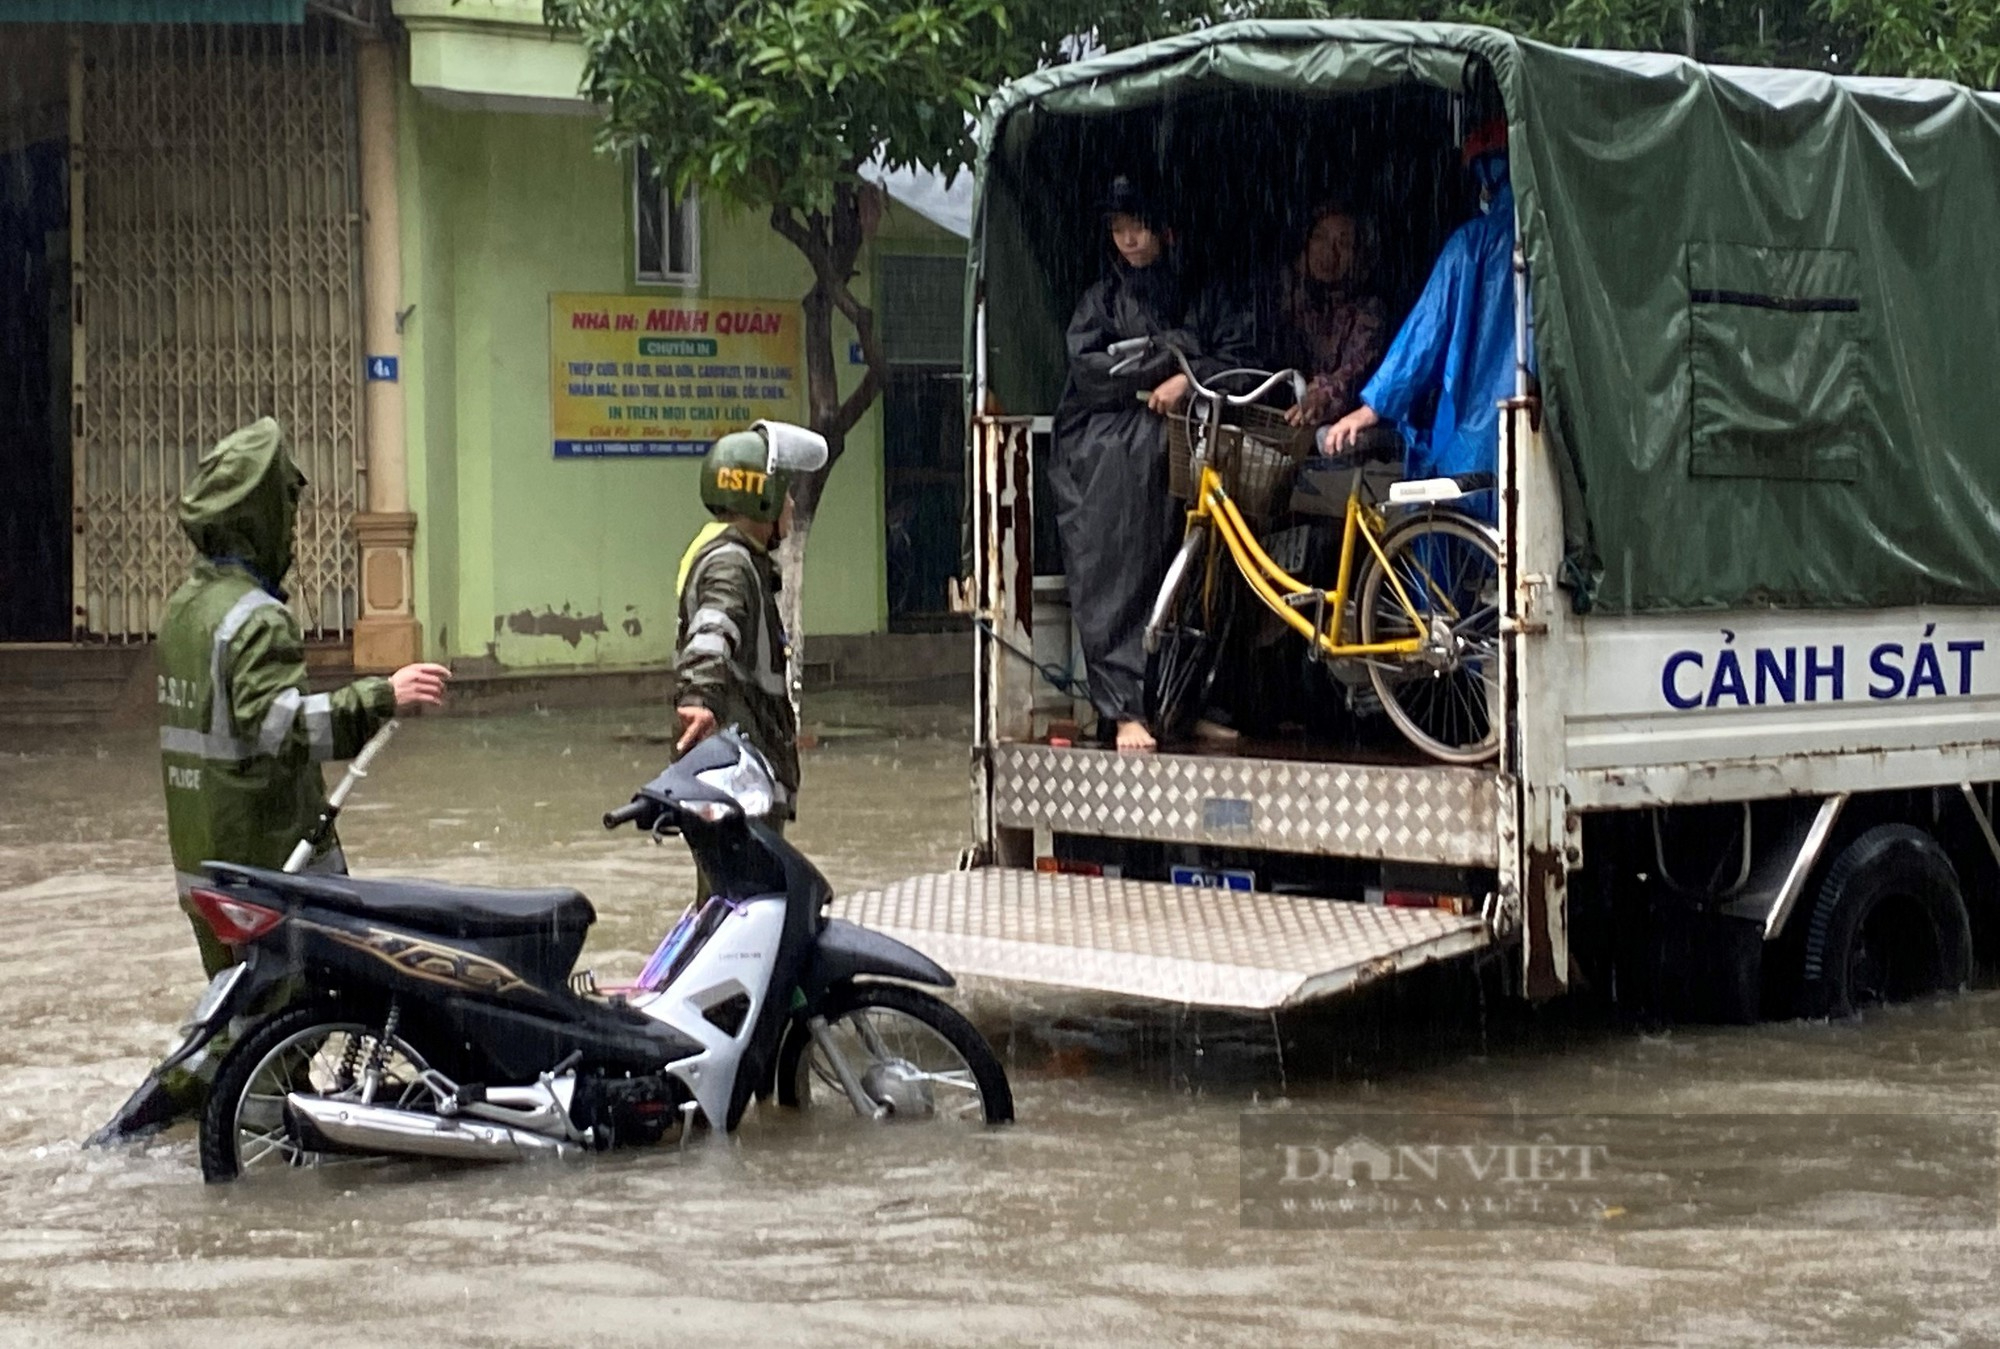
pixel 832 244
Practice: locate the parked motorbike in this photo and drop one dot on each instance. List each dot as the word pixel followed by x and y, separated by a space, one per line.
pixel 444 1021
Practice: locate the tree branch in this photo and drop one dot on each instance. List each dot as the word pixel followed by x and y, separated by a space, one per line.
pixel 832 246
pixel 804 238
pixel 856 404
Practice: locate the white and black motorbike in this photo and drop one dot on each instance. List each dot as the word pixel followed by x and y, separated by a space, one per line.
pixel 444 1021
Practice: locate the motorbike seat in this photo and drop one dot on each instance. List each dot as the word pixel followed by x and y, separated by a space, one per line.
pixel 446 910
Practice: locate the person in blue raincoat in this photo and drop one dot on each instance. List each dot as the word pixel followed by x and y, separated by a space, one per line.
pixel 1456 345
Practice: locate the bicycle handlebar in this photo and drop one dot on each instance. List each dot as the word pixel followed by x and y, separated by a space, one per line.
pixel 1128 352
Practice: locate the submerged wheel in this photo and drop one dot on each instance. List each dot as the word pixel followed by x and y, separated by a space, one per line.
pixel 304 1049
pixel 1443 699
pixel 1889 925
pixel 1185 636
pixel 912 1052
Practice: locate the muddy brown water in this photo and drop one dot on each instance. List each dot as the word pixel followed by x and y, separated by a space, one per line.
pixel 1108 1215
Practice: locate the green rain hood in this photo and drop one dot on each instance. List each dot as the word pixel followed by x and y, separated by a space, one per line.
pixel 243 501
pixel 1765 303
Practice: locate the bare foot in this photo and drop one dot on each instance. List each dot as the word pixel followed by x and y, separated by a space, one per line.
pixel 1216 732
pixel 1134 738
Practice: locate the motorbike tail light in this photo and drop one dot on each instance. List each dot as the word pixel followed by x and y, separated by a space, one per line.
pixel 237 922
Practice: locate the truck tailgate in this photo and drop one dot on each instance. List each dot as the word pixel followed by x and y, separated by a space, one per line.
pixel 1214 948
pixel 1402 812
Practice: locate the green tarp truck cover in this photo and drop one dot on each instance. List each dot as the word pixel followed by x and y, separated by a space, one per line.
pixel 1766 303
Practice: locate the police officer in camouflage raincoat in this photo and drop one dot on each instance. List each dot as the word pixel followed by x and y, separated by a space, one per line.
pixel 732 659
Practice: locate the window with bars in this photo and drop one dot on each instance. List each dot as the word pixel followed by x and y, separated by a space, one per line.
pixel 666 229
pixel 920 306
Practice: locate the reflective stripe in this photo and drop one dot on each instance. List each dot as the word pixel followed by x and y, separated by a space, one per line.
pixel 319 725
pixel 278 721
pixel 709 643
pixel 727 546
pixel 183 740
pixel 756 666
pixel 216 743
pixel 707 535
pixel 714 620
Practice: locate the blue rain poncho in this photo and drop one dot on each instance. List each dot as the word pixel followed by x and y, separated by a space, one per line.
pixel 1459 342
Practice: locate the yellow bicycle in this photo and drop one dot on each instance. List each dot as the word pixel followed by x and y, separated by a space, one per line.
pixel 1417 586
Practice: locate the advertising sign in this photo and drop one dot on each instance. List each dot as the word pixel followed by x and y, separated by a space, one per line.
pixel 643 377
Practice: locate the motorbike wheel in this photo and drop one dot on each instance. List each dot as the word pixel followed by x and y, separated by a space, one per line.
pixel 314 1049
pixel 913 1053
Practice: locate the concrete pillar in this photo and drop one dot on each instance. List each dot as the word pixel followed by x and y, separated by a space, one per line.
pixel 387 634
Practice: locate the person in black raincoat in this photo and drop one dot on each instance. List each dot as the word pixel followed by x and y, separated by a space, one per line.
pixel 1108 472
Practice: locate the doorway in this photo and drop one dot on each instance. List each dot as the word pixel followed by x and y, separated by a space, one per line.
pixel 923 437
pixel 34 350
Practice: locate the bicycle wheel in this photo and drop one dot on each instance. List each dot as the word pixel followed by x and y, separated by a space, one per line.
pixel 1185 636
pixel 1445 696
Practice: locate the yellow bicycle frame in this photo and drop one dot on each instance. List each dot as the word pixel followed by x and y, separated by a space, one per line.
pixel 1266 578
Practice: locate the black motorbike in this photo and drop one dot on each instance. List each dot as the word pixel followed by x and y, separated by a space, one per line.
pixel 422 1019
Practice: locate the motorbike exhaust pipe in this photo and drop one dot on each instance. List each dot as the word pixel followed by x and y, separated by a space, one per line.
pixel 323 1125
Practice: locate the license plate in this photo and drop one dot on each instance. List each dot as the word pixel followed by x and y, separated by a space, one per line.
pixel 1209 878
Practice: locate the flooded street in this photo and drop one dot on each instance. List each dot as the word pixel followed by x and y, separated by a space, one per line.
pixel 1107 1215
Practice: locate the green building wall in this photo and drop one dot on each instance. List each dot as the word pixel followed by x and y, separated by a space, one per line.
pixel 523 560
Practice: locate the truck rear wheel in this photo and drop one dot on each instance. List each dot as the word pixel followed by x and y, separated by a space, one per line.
pixel 1889 925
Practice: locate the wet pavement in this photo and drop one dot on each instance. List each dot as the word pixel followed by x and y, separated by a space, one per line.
pixel 1108 1215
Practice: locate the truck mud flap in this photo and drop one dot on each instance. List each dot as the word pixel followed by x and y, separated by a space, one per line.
pixel 1151 940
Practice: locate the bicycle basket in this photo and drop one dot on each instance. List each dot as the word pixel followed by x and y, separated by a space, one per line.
pixel 1255 457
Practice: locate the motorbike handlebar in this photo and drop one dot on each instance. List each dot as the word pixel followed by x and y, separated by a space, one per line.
pixel 631 810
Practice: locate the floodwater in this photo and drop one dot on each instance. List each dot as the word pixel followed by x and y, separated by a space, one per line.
pixel 1108 1215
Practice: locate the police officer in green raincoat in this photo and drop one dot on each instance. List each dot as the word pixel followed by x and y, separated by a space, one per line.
pixel 732 659
pixel 241 740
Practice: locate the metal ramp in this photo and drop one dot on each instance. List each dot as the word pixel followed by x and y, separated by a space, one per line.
pixel 1172 943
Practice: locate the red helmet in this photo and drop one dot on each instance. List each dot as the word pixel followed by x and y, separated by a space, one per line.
pixel 1485 139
